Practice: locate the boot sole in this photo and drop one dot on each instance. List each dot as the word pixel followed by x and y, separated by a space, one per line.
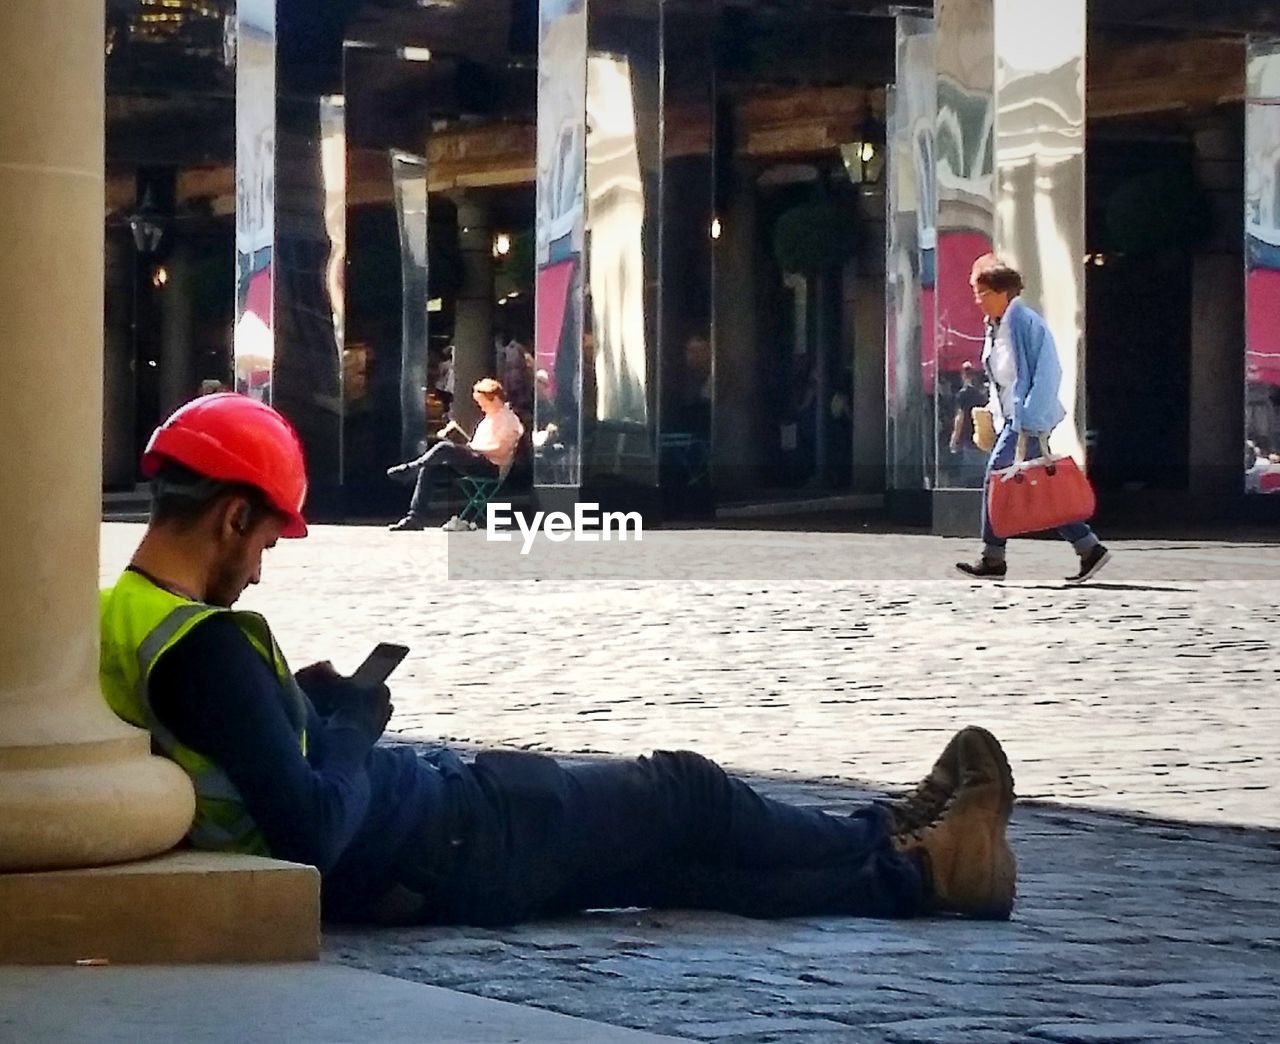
pixel 999 885
pixel 1002 884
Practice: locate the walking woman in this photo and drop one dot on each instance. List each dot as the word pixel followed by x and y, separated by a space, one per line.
pixel 1022 366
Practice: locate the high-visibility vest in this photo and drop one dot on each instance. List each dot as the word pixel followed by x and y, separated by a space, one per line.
pixel 140 621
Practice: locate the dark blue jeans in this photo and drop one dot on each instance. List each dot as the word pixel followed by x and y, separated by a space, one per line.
pixel 1078 533
pixel 669 831
pixel 461 460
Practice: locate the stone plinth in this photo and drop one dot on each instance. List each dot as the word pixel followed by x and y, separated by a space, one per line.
pixel 183 907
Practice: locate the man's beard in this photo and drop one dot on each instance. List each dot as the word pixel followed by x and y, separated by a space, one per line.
pixel 225 585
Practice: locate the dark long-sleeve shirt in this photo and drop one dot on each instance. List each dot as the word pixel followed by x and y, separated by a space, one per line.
pixel 347 807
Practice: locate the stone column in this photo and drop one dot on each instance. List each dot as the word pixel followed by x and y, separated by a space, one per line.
pixel 473 323
pixel 177 324
pixel 77 787
pixel 1217 333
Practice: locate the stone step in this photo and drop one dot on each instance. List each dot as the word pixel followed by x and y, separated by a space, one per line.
pixel 180 907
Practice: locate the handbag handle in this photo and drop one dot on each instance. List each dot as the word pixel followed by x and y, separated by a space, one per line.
pixel 1020 453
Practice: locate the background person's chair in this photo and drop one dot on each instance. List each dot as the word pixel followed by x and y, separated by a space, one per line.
pixel 479 490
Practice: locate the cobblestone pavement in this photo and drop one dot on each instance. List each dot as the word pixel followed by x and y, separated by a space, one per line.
pixel 1124 931
pixel 836 658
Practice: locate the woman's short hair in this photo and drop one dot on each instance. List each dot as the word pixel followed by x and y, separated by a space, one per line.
pixel 491 387
pixel 1000 278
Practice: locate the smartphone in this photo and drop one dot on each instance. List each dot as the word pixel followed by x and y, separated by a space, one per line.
pixel 379 664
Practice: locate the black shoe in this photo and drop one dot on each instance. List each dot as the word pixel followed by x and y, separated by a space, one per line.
pixel 409 522
pixel 984 568
pixel 1090 562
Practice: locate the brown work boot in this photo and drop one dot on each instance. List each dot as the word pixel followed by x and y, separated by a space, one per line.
pixel 973 756
pixel 966 851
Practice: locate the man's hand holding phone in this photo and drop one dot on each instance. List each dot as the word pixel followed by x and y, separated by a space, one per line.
pixel 364 697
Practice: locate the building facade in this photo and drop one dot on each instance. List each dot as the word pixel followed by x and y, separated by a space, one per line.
pixel 716 250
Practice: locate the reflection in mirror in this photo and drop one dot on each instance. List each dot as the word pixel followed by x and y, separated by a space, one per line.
pixel 1262 272
pixel 911 234
pixel 255 196
pixel 616 212
pixel 1040 127
pixel 333 171
pixel 409 177
pixel 622 186
pixel 966 230
pixel 560 233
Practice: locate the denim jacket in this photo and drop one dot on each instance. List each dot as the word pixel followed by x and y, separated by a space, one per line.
pixel 1036 406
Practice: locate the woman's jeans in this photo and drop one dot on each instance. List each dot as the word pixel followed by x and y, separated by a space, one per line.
pixel 1078 534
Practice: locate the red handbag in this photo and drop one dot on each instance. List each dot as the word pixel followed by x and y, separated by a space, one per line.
pixel 1034 495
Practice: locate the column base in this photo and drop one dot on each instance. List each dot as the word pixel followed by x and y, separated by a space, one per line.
pixel 182 907
pixel 89 803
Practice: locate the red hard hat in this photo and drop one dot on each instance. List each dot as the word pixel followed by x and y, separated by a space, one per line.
pixel 233 438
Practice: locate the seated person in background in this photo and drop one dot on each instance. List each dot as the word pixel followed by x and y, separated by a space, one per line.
pixel 490 450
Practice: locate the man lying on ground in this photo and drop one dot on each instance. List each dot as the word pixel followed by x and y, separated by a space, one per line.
pixel 291 767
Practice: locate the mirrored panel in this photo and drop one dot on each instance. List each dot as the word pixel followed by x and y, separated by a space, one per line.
pixel 952 363
pixel 333 170
pixel 560 240
pixel 1040 127
pixel 255 51
pixel 616 258
pixel 409 176
pixel 622 191
pixel 910 255
pixel 1262 261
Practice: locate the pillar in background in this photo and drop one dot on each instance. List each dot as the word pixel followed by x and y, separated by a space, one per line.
pixel 740 425
pixel 77 787
pixel 1040 185
pixel 560 238
pixel 307 304
pixel 288 328
pixel 965 186
pixel 910 255
pixel 1005 172
pixel 120 458
pixel 1261 204
pixel 1217 333
pixel 177 331
pixel 473 355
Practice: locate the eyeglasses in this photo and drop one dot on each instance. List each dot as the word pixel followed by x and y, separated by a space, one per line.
pixel 980 294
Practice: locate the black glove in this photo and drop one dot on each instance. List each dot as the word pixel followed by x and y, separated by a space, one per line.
pixel 334 696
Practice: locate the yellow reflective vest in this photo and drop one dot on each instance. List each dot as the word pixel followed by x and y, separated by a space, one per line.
pixel 140 621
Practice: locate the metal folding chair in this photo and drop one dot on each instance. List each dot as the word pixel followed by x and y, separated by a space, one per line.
pixel 479 490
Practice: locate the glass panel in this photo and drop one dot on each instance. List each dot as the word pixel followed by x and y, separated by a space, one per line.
pixel 966 231
pixel 255 196
pixel 1040 66
pixel 1262 272
pixel 409 175
pixel 561 186
pixel 623 93
pixel 909 276
pixel 333 168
